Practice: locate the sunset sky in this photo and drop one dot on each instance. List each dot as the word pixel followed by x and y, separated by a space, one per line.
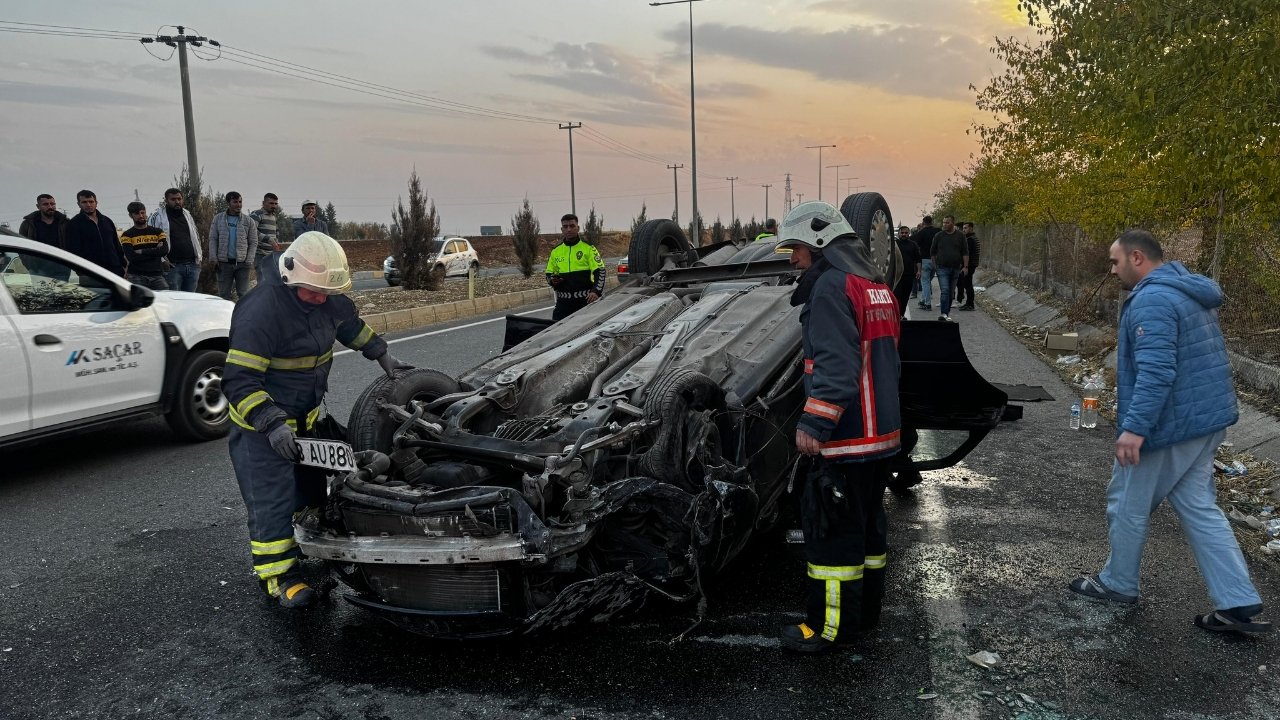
pixel 887 81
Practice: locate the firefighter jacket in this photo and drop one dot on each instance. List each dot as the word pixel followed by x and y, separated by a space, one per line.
pixel 579 268
pixel 851 364
pixel 277 368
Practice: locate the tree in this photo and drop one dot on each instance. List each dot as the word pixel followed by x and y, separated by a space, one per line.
pixel 330 216
pixel 414 232
pixel 753 228
pixel 638 221
pixel 717 231
pixel 524 236
pixel 695 231
pixel 594 228
pixel 735 230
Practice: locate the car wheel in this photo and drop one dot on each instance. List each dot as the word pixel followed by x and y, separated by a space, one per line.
pixel 200 410
pixel 369 428
pixel 686 402
pixel 393 281
pixel 655 241
pixel 869 215
pixel 475 266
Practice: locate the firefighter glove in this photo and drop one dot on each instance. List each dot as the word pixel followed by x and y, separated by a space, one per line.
pixel 390 365
pixel 284 441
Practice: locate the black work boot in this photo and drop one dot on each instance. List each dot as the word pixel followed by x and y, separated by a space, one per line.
pixel 801 638
pixel 291 591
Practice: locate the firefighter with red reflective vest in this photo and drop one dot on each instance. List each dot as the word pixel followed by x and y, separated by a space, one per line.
pixel 850 425
pixel 275 378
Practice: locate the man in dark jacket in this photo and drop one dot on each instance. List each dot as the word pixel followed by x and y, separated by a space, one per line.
pixel 850 425
pixel 911 268
pixel 965 281
pixel 45 224
pixel 1175 402
pixel 574 271
pixel 275 379
pixel 923 238
pixel 145 248
pixel 92 235
pixel 950 261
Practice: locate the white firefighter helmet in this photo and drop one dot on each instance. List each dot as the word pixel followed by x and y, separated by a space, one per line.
pixel 813 224
pixel 317 262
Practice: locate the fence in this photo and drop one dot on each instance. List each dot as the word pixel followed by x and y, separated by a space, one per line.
pixel 1074 266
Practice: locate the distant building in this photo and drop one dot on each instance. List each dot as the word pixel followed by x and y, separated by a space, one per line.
pixel 490 229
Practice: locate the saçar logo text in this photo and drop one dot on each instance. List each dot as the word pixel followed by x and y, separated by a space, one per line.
pixel 105 352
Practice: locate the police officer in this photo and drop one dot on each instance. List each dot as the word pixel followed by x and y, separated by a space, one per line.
pixel 574 271
pixel 770 230
pixel 850 424
pixel 275 378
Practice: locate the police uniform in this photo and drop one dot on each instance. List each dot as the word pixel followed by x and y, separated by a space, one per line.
pixel 581 272
pixel 277 371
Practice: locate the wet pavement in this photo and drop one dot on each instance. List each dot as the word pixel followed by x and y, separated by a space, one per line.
pixel 124 593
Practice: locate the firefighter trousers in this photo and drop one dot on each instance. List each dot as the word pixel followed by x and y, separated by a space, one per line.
pixel 273 490
pixel 846 542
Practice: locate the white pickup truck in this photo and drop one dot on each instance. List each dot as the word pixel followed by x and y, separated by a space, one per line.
pixel 81 347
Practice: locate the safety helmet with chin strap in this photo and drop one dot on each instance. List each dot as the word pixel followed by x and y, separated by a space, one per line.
pixel 813 224
pixel 317 262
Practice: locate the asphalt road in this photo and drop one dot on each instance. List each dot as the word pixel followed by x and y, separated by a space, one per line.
pixel 125 592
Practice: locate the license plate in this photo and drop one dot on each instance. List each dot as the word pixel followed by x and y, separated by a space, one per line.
pixel 328 454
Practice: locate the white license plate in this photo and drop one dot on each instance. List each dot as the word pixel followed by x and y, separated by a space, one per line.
pixel 327 454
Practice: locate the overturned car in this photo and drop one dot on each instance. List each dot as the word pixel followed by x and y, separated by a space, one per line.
pixel 629 450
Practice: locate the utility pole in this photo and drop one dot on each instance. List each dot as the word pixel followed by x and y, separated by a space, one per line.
pixel 800 198
pixel 675 183
pixel 573 193
pixel 733 214
pixel 837 167
pixel 136 197
pixel 766 200
pixel 788 195
pixel 693 128
pixel 819 148
pixel 180 41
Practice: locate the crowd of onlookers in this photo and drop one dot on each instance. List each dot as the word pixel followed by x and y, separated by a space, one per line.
pixel 949 254
pixel 163 250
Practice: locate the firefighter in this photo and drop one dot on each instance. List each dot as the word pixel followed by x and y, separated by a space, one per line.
pixel 849 427
pixel 275 378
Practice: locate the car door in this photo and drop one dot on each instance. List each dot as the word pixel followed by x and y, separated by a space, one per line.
pixel 15 388
pixel 88 352
pixel 456 264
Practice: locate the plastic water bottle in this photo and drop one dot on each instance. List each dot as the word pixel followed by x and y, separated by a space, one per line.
pixel 1089 408
pixel 1075 416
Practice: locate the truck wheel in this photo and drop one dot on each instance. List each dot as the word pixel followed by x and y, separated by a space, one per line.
pixel 869 215
pixel 650 247
pixel 200 410
pixel 371 429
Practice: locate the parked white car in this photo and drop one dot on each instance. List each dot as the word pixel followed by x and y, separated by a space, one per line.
pixel 81 347
pixel 454 254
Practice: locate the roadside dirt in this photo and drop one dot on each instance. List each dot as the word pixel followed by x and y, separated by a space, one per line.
pixel 494 250
pixel 394 298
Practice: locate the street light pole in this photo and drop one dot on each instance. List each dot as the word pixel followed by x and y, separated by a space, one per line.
pixel 766 201
pixel 573 193
pixel 819 148
pixel 733 214
pixel 693 128
pixel 837 167
pixel 675 184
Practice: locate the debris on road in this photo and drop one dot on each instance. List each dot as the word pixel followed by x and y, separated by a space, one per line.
pixel 984 659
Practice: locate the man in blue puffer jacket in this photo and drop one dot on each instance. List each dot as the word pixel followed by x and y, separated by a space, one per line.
pixel 1175 402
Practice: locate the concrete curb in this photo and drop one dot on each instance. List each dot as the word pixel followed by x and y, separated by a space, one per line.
pixel 366 275
pixel 1256 433
pixel 426 315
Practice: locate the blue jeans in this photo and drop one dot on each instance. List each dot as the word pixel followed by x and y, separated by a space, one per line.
pixel 926 281
pixel 184 277
pixel 946 287
pixel 1183 474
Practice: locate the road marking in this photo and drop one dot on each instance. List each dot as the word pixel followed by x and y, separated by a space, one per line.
pixel 460 327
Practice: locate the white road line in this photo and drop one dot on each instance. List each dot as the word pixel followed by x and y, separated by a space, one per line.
pixel 460 327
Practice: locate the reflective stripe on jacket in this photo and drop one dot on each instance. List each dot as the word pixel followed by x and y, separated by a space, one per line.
pixel 851 368
pixel 277 368
pixel 579 267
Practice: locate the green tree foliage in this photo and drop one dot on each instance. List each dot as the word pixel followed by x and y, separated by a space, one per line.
pixel 1152 112
pixel 524 236
pixel 413 233
pixel 753 228
pixel 736 231
pixel 717 231
pixel 330 217
pixel 639 220
pixel 694 231
pixel 594 228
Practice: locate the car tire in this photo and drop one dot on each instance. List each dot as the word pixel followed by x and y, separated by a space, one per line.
pixel 370 429
pixel 474 267
pixel 392 281
pixel 868 213
pixel 200 411
pixel 650 247
pixel 672 399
